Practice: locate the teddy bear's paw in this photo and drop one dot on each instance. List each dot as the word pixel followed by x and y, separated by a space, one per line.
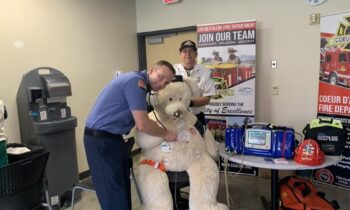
pixel 218 206
pixel 212 206
pixel 156 208
pixel 221 206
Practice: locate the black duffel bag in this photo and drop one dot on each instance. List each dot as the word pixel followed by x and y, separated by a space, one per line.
pixel 329 134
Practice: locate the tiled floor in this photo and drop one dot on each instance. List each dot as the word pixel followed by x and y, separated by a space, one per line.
pixel 244 194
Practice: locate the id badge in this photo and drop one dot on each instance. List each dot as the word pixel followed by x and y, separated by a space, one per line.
pixel 167 146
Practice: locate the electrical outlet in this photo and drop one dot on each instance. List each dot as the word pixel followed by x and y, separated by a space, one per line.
pixel 274 64
pixel 314 19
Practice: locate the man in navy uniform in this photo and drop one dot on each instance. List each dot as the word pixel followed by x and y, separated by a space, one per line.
pixel 120 106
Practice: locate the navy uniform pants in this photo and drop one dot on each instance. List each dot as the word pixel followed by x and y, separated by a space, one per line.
pixel 108 161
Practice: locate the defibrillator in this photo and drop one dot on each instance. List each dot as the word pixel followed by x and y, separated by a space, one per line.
pixel 261 139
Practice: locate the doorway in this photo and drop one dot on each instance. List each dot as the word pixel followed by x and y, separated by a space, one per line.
pixel 163 45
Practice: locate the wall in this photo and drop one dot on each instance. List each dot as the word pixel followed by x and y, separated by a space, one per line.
pixel 283 34
pixel 87 40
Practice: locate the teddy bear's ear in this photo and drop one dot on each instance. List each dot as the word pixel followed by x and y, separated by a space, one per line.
pixel 194 86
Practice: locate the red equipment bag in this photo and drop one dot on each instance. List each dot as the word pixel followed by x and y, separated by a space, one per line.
pixel 298 193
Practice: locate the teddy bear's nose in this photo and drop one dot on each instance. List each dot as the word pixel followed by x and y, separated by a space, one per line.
pixel 178 113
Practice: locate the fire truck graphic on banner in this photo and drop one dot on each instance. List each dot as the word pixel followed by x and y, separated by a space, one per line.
pixel 335 66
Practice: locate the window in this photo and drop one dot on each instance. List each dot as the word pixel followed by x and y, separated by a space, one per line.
pixel 342 57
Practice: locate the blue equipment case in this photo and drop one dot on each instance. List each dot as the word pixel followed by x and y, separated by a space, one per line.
pixel 261 140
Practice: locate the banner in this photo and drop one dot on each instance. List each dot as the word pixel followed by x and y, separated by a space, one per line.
pixel 228 50
pixel 334 89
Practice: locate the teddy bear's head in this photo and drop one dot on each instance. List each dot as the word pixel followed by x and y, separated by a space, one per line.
pixel 175 98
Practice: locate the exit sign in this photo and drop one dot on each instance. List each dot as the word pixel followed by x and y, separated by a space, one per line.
pixel 170 1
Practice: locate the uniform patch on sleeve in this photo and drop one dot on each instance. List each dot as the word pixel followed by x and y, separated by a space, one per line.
pixel 141 84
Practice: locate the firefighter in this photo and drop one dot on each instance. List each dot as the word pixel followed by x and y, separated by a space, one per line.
pixel 232 58
pixel 190 68
pixel 121 105
pixel 217 58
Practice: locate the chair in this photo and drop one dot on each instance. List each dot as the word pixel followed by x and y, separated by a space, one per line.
pixel 22 183
pixel 87 184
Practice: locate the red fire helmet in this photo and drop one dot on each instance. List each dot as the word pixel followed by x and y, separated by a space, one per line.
pixel 309 153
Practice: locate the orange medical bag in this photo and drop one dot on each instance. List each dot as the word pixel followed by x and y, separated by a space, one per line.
pixel 298 193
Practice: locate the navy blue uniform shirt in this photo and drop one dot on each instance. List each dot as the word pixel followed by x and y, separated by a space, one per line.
pixel 112 109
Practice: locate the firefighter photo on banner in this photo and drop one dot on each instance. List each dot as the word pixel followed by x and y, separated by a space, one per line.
pixel 334 89
pixel 228 50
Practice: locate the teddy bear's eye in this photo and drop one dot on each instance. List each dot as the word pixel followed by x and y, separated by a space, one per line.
pixel 180 98
pixel 170 99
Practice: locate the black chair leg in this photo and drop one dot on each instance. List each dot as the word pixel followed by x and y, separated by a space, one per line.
pixel 179 202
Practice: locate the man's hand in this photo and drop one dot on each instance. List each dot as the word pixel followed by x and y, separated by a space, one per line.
pixel 150 127
pixel 170 136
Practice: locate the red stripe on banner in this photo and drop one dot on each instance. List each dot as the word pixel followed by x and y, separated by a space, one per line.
pixel 226 27
pixel 326 35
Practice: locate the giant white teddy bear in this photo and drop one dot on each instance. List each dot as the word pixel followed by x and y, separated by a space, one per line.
pixel 191 152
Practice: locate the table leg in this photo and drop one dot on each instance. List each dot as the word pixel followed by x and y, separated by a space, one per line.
pixel 273 205
pixel 267 205
pixel 274 189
